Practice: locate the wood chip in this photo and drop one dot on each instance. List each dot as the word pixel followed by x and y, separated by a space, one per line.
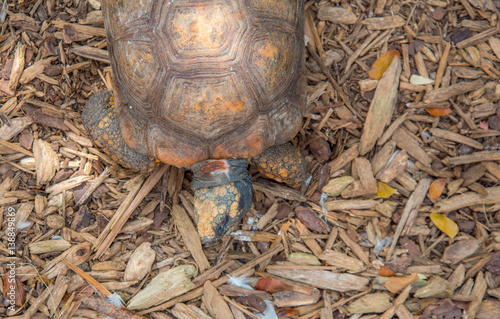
pixel 190 236
pixel 382 107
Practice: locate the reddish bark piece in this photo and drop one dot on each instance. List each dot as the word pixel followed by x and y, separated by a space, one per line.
pixel 409 244
pixel 310 219
pixel 320 149
pixel 13 290
pixel 271 285
pixel 438 13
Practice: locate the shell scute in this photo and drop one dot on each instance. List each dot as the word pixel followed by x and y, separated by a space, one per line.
pixel 139 73
pixel 272 61
pixel 207 78
pixel 207 107
pixel 129 13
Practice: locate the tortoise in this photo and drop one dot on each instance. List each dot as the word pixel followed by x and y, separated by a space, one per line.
pixel 209 85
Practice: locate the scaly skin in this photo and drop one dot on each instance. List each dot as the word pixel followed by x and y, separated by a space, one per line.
pixel 99 118
pixel 219 209
pixel 283 163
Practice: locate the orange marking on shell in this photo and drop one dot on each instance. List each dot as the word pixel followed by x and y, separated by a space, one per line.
pixel 269 51
pixel 212 106
pixel 200 28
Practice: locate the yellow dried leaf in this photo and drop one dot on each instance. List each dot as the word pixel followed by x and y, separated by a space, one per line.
pixel 437 187
pixel 381 64
pixel 384 190
pixel 444 224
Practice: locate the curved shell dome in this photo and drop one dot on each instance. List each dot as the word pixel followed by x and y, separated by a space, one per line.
pixel 195 80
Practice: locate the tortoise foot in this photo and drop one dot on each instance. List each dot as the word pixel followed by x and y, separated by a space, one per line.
pixel 223 194
pixel 99 118
pixel 283 163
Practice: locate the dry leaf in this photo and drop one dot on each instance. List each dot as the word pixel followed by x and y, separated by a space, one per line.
pixel 395 284
pixel 386 272
pixel 384 190
pixel 13 290
pixel 484 125
pixel 437 111
pixel 444 224
pixel 271 285
pixel 381 64
pixel 437 187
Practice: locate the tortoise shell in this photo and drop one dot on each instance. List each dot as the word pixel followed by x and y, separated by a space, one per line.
pixel 206 79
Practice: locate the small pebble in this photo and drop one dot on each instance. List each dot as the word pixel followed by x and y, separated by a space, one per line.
pixel 466 226
pixel 438 13
pixel 465 149
pixel 494 122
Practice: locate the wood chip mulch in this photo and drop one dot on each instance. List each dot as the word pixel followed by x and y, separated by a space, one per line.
pixel 400 218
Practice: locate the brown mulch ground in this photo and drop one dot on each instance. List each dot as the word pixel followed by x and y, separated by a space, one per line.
pixel 384 154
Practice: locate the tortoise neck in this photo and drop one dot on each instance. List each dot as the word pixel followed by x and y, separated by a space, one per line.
pixel 211 173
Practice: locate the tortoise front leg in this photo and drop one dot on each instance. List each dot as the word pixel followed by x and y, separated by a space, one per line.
pixel 283 163
pixel 99 118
